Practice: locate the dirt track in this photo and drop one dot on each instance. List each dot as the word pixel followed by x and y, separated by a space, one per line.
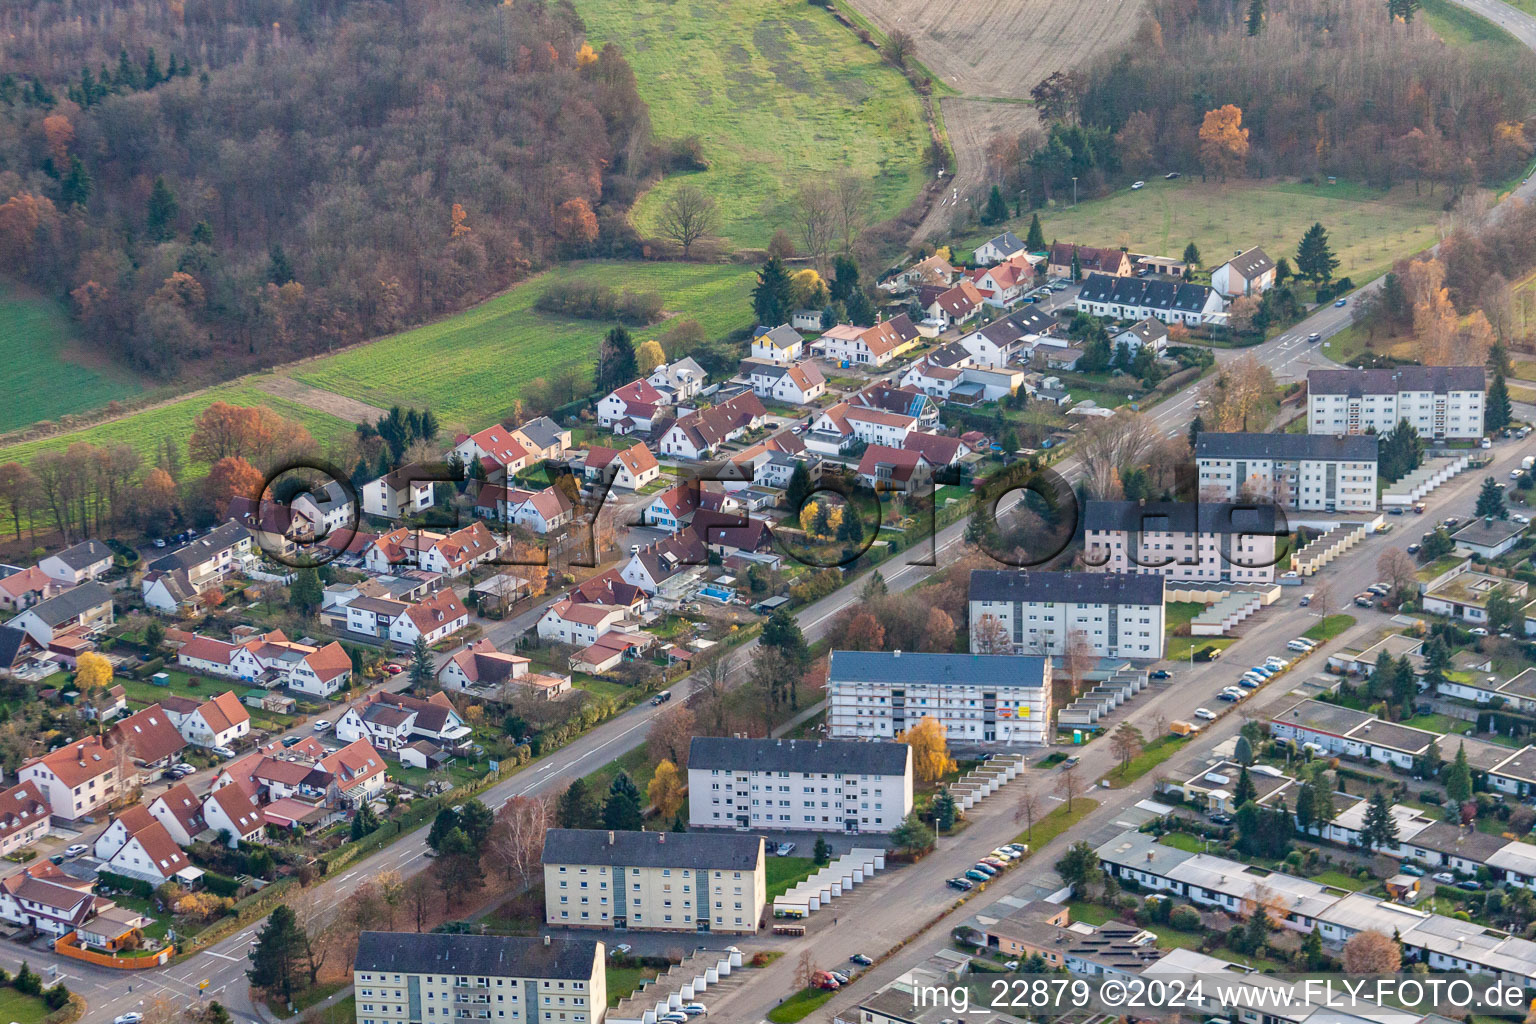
pixel 998 49
pixel 341 406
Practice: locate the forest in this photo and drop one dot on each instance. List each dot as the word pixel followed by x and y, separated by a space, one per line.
pixel 223 184
pixel 1304 88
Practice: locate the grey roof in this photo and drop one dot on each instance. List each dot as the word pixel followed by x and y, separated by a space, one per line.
pixel 542 430
pixel 1179 517
pixel 1146 330
pixel 1066 587
pixel 72 603
pixel 838 757
pixel 1140 291
pixel 1252 263
pixel 1034 320
pixel 11 642
pixel 198 551
pixel 1338 447
pixel 1096 288
pixel 1007 241
pixel 521 956
pixel 723 851
pixel 1355 383
pixel 1487 532
pixel 84 554
pixel 913 668
pixel 782 336
pixel 1191 298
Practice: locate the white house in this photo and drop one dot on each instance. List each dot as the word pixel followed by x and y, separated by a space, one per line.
pixel 672 508
pixel 698 434
pixel 633 467
pixel 568 622
pixel 635 406
pixel 1148 333
pixel 782 345
pixel 78 777
pixel 86 608
pixel 78 563
pixel 843 423
pixel 1250 272
pixel 180 813
pixel 270 659
pixel 988 698
pixel 868 346
pixel 229 811
pixel 660 561
pixel 1137 298
pixel 432 618
pixel 680 380
pixel 217 722
pixel 1004 283
pixel 1440 402
pixel 453 554
pixel 952 306
pixel 999 248
pixel 540 512
pixel 794 383
pixel 495 448
pixel 396 495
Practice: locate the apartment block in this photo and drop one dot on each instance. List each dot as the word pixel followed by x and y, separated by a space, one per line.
pixel 1118 614
pixel 798 785
pixel 654 881
pixel 979 698
pixel 1214 542
pixel 1307 472
pixel 1440 402
pixel 425 978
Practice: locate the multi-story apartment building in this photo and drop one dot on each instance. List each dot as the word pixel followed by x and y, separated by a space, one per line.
pixel 426 978
pixel 1118 615
pixel 1440 402
pixel 1209 542
pixel 654 881
pixel 979 698
pixel 798 784
pixel 1307 472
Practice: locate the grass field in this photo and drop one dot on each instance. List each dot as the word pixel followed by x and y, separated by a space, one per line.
pixel 799 1006
pixel 21 1008
pixel 622 981
pixel 467 368
pixel 1460 27
pixel 1330 627
pixel 779 93
pixel 41 380
pixel 1369 229
pixel 784 873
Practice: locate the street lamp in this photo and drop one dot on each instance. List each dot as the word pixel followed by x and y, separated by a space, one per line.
pixel 1074 190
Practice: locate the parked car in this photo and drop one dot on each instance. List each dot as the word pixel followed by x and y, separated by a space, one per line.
pixel 1221 819
pixel 1205 713
pixel 1364 599
pixel 986 869
pixel 74 850
pixel 323 725
pixel 1478 631
pixel 994 862
pixel 860 959
pixel 184 767
pixel 223 752
pixel 1171 176
pixel 963 884
pixel 1138 184
pixel 1395 510
pixel 672 1017
pixel 977 876
pixel 839 977
pixel 1249 684
pixel 785 849
pixel 289 741
pixel 1276 662
pixel 1071 762
pixel 695 1009
pixel 1444 877
pixel 1230 698
pixel 1341 303
pixel 1410 869
pixel 1162 673
pixel 621 949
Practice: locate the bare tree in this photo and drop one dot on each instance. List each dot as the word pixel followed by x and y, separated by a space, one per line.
pixel 687 215
pixel 805 969
pixel 517 838
pixel 1077 660
pixel 852 197
pixel 1126 742
pixel 671 732
pixel 1069 785
pixel 1399 568
pixel 816 219
pixel 1240 390
pixel 1027 810
pixel 1322 598
pixel 1110 446
pixel 991 636
pixel 714 680
pixel 418 897
pixel 899 47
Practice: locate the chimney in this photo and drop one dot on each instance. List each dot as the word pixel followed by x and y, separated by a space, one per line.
pixel 896 653
pixel 661 837
pixel 1151 855
pixel 610 838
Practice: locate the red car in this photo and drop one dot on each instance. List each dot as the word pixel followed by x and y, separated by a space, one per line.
pixel 393 670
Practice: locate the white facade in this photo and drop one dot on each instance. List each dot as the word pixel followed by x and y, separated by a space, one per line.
pixel 1041 613
pixel 754 796
pixel 1180 542
pixel 1308 472
pixel 393 498
pixel 1003 699
pixel 1440 402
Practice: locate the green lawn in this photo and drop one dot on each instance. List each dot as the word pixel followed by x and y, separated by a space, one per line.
pixel 1330 627
pixel 343 1011
pixel 622 981
pixel 779 94
pixel 1443 724
pixel 1090 913
pixel 1460 27
pixel 1157 750
pixel 20 1008
pixel 1368 228
pixel 1184 841
pixel 799 1006
pixel 1056 822
pixel 1340 880
pixel 1178 648
pixel 43 378
pixel 786 872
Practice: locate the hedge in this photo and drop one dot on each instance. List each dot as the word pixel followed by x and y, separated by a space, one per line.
pixel 220 885
pixel 137 886
pixel 148 668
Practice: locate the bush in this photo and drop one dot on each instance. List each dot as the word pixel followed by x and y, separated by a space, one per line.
pixel 1185 919
pixel 219 885
pixel 588 301
pixel 55 998
pixel 27 981
pixel 148 668
pixel 137 886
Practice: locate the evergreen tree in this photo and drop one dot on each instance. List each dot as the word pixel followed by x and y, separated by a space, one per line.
pixel 152 76
pixel 996 210
pixel 616 365
pixel 782 633
pixel 851 530
pixel 1458 785
pixel 1380 829
pixel 127 78
pixel 770 298
pixel 1405 685
pixel 1430 763
pixel 160 217
pixel 822 853
pixel 1245 791
pixel 1490 500
pixel 306 593
pixel 477 821
pixel 1314 259
pixel 622 810
pixel 574 808
pixel 202 233
pixel 1497 412
pixel 364 821
pixel 1255 16
pixel 800 487
pixel 429 426
pixel 860 310
pixel 1035 240
pixel 944 811
pixel 845 279
pixel 279 270
pixel 76 188
pixel 1437 660
pixel 1196 428
pixel 1499 361
pixel 421 662
pixel 1077 266
pixel 275 954
pixel 1402 9
pixel 1312 955
pixel 1192 254
pixel 447 820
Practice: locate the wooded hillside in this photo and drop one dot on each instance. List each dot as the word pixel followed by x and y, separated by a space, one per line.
pixel 246 181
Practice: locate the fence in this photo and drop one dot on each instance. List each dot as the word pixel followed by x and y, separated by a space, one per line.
pixel 66 945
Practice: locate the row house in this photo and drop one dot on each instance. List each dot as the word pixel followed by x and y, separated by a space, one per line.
pixel 852 345
pixel 432 618
pixel 637 406
pixel 698 434
pixel 632 468
pixel 178 579
pixel 792 383
pixel 540 512
pixel 1137 298
pixel 1440 402
pixel 270 660
pixel 452 554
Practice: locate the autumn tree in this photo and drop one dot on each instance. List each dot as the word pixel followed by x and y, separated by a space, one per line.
pixel 575 223
pixel 990 636
pixel 1371 952
pixel 687 215
pixel 1223 141
pixel 247 432
pixel 92 672
pixel 931 760
pixel 649 356
pixel 665 790
pixel 670 736
pixel 1126 742
pixel 230 477
pixel 18 489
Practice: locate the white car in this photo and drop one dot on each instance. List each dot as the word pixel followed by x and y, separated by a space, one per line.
pixel 1444 877
pixel 695 1009
pixel 323 725
pixel 223 752
pixel 1479 631
pixel 1205 713
pixel 1521 519
pixel 1139 184
pixel 620 949
pixel 128 1018
pixel 74 850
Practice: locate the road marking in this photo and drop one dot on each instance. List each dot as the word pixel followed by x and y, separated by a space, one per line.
pixel 221 956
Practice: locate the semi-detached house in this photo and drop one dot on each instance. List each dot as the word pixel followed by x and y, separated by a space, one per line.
pixel 218 722
pixel 271 660
pixel 78 778
pixel 698 434
pixel 431 618
pixel 868 346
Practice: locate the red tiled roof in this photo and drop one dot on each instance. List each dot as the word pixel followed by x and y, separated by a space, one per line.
pixel 432 612
pixel 149 735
